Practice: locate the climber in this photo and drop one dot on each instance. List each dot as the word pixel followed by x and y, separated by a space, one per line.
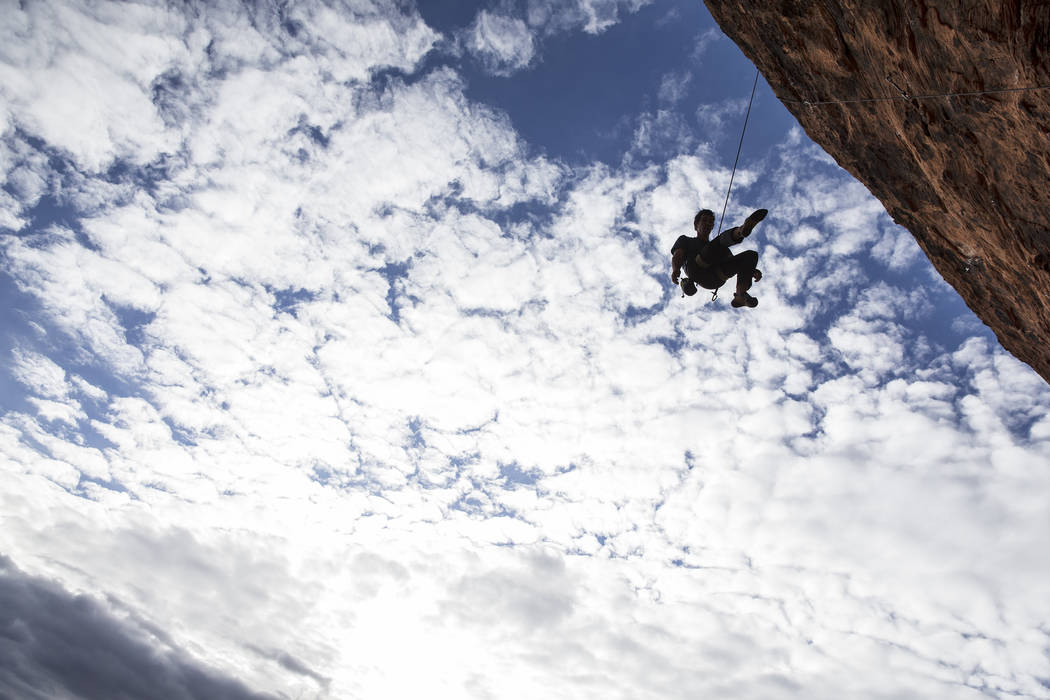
pixel 709 263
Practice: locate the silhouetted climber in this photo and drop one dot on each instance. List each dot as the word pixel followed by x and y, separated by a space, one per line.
pixel 710 263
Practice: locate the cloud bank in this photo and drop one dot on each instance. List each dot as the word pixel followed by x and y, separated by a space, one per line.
pixel 59 645
pixel 339 386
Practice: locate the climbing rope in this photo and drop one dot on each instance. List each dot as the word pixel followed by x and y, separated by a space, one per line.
pixel 905 96
pixel 738 147
pixel 714 294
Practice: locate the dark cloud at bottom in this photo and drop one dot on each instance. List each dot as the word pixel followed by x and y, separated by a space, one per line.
pixel 54 644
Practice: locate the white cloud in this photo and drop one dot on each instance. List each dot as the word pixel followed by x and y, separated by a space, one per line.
pixel 593 16
pixel 715 120
pixel 65 412
pixel 81 80
pixel 351 44
pixel 674 86
pixel 71 281
pixel 897 248
pixel 504 44
pixel 8 216
pixel 659 134
pixel 850 228
pixel 704 40
pixel 340 421
pixel 39 374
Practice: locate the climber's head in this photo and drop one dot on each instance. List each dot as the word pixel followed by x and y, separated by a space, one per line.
pixel 703 222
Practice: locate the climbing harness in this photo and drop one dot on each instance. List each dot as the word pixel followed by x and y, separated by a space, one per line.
pixel 716 269
pixel 907 97
pixel 747 115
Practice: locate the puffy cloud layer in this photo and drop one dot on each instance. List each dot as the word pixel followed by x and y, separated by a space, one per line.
pixel 330 381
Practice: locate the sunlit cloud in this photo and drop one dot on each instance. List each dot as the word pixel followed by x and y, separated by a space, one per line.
pixel 326 383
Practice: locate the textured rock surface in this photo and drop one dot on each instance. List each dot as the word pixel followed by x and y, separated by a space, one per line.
pixel 968 176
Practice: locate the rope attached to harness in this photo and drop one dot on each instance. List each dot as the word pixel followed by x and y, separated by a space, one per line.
pixel 738 147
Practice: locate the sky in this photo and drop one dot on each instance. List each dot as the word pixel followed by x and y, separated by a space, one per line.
pixel 341 360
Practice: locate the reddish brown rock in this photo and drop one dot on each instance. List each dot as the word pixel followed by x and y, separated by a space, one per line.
pixel 969 176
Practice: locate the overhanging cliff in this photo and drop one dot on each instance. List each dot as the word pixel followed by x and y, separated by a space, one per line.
pixel 969 175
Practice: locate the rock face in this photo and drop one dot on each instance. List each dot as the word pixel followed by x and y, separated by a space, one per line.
pixel 969 176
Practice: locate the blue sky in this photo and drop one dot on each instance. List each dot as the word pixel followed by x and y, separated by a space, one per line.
pixel 341 360
pixel 584 114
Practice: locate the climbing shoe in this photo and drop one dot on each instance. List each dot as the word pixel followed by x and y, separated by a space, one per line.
pixel 756 216
pixel 742 232
pixel 744 299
